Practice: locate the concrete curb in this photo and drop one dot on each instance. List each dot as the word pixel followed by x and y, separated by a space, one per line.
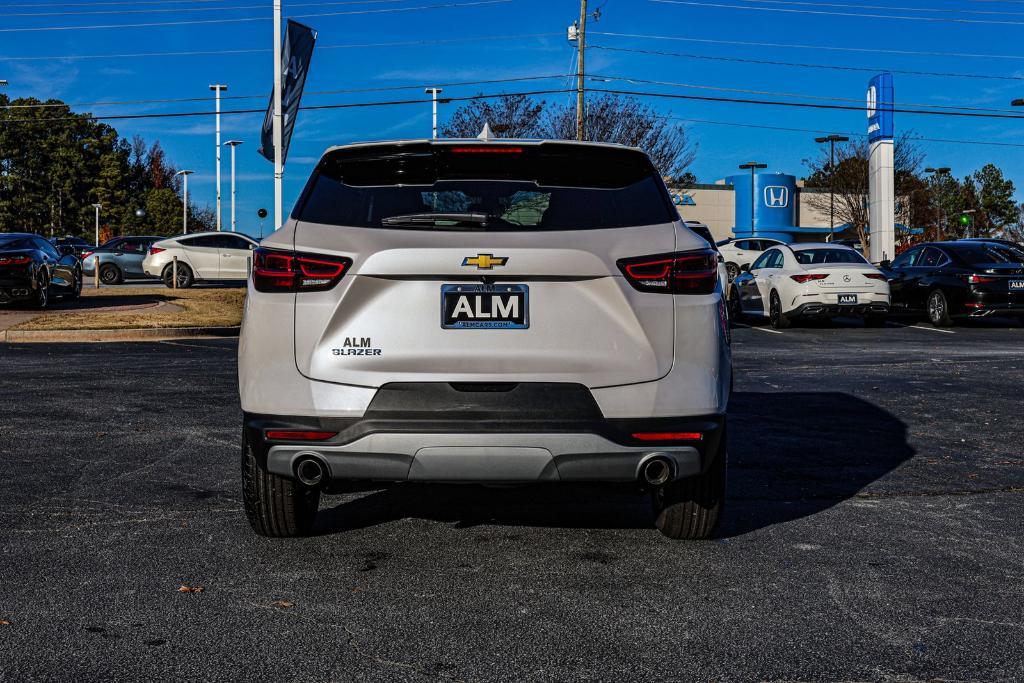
pixel 140 334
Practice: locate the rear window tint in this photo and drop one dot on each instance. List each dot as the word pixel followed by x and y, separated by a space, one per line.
pixel 809 257
pixel 558 187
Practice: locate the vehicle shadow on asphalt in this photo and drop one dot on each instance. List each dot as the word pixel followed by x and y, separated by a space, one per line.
pixel 791 455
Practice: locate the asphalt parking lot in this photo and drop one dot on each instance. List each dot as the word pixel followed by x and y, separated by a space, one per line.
pixel 874 531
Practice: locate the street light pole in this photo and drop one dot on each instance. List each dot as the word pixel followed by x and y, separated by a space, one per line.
pixel 232 144
pixel 97 206
pixel 217 88
pixel 753 166
pixel 433 98
pixel 278 130
pixel 832 140
pixel 184 200
pixel 937 171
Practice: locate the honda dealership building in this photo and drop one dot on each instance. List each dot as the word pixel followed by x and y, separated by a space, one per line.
pixel 781 208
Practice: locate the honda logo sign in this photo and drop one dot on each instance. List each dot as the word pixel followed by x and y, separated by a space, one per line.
pixel 776 196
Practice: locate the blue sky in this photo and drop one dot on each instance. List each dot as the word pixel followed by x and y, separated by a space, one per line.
pixel 190 141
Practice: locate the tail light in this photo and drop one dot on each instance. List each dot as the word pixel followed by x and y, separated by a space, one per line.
pixel 15 260
pixel 808 277
pixel 688 272
pixel 86 254
pixel 874 276
pixel 668 436
pixel 978 279
pixel 153 251
pixel 285 271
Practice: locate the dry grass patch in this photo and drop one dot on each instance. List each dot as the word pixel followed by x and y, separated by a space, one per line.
pixel 190 308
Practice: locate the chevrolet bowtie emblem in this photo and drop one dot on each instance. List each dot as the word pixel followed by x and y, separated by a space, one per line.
pixel 484 261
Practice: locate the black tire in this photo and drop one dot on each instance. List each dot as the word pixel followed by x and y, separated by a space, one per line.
pixel 874 321
pixel 937 308
pixel 111 274
pixel 185 277
pixel 691 508
pixel 733 270
pixel 276 506
pixel 734 308
pixel 41 299
pixel 778 319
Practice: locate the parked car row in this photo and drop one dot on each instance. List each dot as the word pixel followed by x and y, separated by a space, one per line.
pixel 942 281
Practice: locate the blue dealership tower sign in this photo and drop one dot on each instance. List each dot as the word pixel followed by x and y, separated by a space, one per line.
pixel 881 176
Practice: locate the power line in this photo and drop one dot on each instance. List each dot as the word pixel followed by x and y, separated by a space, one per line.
pixel 383 88
pixel 932 53
pixel 158 10
pixel 237 20
pixel 611 91
pixel 118 2
pixel 821 131
pixel 773 93
pixel 936 10
pixel 193 53
pixel 807 65
pixel 955 20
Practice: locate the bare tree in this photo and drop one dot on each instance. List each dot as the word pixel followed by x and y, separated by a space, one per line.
pixel 610 118
pixel 849 181
pixel 510 116
pixel 627 121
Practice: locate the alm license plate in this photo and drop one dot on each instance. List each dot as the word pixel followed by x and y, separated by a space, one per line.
pixel 847 298
pixel 1016 284
pixel 477 306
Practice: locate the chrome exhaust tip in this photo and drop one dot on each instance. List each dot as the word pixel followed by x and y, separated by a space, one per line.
pixel 656 471
pixel 310 471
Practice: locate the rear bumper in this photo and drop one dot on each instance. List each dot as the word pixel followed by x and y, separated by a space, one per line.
pixel 980 304
pixel 498 448
pixel 16 288
pixel 814 309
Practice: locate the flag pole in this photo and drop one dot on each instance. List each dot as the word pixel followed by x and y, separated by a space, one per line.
pixel 278 160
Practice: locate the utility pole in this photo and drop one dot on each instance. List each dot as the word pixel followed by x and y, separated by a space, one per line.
pixel 433 97
pixel 232 144
pixel 753 166
pixel 184 200
pixel 278 129
pixel 832 140
pixel 97 206
pixel 581 47
pixel 217 90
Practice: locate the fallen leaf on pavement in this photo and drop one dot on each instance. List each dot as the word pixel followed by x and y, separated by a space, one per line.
pixel 190 589
pixel 284 604
pixel 4 622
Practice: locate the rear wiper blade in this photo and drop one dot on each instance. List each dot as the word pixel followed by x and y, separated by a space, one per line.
pixel 432 219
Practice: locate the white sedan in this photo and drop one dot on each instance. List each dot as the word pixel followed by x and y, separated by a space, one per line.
pixel 200 256
pixel 742 252
pixel 812 281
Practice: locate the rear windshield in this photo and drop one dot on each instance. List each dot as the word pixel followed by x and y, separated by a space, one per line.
pixel 529 188
pixel 978 254
pixel 16 242
pixel 812 257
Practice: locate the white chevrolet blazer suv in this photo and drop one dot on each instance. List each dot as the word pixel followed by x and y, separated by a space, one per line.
pixel 489 312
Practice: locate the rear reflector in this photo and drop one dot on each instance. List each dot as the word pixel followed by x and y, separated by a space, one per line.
pixel 808 277
pixel 668 436
pixel 687 272
pixel 298 435
pixel 285 271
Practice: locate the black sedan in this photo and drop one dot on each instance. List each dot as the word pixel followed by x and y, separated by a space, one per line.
pixel 32 269
pixel 76 245
pixel 947 280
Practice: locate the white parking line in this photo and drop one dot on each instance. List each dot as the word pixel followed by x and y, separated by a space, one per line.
pixel 930 329
pixel 760 329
